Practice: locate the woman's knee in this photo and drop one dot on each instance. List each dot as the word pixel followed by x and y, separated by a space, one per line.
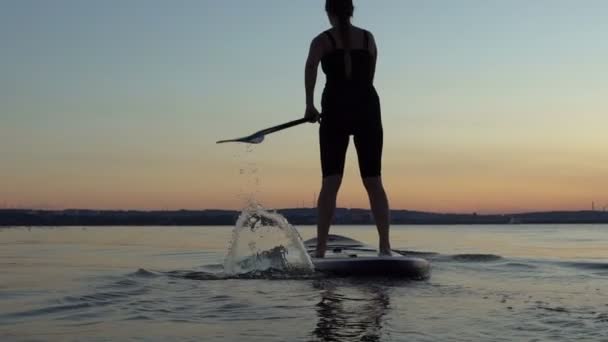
pixel 373 184
pixel 331 183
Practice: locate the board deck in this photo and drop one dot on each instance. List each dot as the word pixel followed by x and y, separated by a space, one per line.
pixel 349 257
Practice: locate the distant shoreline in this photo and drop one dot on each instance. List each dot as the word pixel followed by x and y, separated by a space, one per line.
pixel 296 216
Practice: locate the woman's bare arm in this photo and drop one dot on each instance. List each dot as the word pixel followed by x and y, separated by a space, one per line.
pixel 310 70
pixel 374 51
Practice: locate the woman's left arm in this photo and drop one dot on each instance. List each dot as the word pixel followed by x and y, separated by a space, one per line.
pixel 374 52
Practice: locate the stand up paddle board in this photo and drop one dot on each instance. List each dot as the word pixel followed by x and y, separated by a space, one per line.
pixel 348 257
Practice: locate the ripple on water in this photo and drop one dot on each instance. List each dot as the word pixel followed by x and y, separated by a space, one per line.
pixel 518 265
pixel 268 274
pixel 144 273
pixel 589 265
pixel 476 257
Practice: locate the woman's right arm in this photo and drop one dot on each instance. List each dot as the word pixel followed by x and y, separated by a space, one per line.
pixel 310 76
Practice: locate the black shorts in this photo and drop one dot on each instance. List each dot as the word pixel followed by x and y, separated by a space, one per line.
pixel 356 114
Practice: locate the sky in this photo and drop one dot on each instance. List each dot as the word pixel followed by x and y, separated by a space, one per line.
pixel 488 106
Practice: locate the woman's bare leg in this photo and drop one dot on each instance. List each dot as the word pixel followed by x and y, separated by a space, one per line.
pixel 325 211
pixel 379 204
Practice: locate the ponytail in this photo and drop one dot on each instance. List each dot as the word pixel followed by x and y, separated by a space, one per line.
pixel 344 31
pixel 342 10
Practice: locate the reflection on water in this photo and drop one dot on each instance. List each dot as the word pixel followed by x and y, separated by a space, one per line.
pixel 350 313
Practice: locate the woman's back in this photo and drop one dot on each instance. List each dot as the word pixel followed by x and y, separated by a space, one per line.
pixel 355 64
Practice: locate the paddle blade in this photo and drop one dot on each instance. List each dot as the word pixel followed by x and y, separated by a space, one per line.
pixel 253 139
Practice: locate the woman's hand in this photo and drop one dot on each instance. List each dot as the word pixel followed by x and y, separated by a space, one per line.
pixel 312 114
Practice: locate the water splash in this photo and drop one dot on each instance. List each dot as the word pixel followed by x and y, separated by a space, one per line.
pixel 263 241
pixel 249 188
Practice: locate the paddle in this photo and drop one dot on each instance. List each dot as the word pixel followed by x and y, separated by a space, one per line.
pixel 258 136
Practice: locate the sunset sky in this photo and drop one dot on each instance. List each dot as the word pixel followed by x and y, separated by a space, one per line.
pixel 488 106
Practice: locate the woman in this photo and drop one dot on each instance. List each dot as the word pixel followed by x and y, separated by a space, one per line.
pixel 350 106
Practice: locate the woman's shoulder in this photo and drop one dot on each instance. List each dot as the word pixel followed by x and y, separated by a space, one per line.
pixel 325 35
pixel 322 40
pixel 369 37
pixel 358 28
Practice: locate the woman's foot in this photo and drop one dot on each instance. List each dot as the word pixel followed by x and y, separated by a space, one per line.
pixel 384 248
pixel 385 252
pixel 319 252
pixel 314 254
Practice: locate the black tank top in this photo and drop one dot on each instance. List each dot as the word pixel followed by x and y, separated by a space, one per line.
pixel 332 64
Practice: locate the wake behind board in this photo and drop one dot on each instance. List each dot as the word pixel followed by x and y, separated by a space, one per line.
pixel 348 257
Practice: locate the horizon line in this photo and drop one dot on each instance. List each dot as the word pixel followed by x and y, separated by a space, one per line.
pixel 311 208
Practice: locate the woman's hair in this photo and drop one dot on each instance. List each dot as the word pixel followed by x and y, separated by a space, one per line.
pixel 343 11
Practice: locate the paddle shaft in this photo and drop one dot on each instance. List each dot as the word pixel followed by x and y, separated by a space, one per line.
pixel 281 126
pixel 260 134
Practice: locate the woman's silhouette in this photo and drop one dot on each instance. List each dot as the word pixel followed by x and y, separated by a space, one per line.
pixel 350 106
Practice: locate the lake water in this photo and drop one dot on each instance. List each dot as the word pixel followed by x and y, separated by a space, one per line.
pixel 488 283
